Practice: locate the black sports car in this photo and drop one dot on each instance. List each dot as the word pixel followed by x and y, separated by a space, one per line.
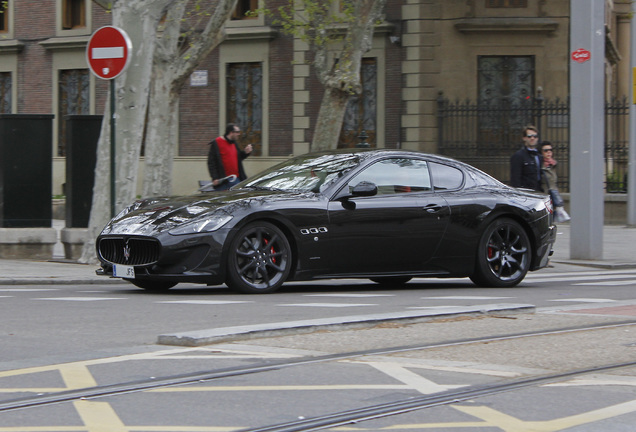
pixel 386 215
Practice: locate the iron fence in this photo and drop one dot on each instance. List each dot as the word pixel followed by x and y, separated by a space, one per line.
pixel 487 134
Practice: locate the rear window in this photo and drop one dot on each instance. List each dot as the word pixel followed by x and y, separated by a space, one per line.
pixel 446 177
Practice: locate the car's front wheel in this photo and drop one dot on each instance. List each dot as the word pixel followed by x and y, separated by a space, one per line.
pixel 259 259
pixel 503 255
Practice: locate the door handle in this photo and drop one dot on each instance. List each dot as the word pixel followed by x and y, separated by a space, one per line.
pixel 433 208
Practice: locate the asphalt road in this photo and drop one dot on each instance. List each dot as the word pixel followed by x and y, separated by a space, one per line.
pixel 58 338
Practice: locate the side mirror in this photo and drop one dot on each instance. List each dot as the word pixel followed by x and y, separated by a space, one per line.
pixel 364 188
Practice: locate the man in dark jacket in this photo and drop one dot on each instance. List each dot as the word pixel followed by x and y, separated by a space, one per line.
pixel 225 158
pixel 525 164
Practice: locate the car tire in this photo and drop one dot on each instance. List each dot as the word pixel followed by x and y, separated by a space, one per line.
pixel 259 259
pixel 150 285
pixel 503 255
pixel 391 280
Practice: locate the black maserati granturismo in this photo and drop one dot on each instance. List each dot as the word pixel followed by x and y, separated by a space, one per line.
pixel 382 214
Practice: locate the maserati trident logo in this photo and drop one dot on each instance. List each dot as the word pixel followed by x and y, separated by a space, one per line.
pixel 126 252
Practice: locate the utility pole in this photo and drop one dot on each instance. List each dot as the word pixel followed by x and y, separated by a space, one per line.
pixel 587 128
pixel 631 167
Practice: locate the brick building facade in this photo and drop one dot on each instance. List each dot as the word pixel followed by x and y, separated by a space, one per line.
pixel 422 48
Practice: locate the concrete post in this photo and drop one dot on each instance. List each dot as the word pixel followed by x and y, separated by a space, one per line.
pixel 631 167
pixel 587 127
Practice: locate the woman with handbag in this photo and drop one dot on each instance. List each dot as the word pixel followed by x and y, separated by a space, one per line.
pixel 549 181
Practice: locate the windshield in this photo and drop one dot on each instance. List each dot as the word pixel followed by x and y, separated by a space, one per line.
pixel 310 173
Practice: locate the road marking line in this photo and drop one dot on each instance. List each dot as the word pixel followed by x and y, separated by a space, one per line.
pixel 205 302
pixel 82 299
pixel 334 305
pixel 465 298
pixel 584 300
pixel 413 380
pixel 609 283
pixel 77 376
pixel 283 388
pixel 99 417
pixel 349 295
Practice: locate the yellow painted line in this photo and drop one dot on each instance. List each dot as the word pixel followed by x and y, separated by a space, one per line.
pixel 44 429
pixel 282 388
pixel 494 418
pixel 507 423
pixel 419 426
pixel 99 417
pixel 592 416
pixel 411 379
pixel 33 390
pixel 161 355
pixel 77 376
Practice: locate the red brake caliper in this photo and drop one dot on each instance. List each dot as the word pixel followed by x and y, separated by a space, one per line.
pixel 271 250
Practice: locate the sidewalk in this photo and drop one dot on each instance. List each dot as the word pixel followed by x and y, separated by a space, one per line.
pixel 619 252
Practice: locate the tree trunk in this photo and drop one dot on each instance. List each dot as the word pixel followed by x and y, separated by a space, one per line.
pixel 330 117
pixel 344 78
pixel 171 69
pixel 138 18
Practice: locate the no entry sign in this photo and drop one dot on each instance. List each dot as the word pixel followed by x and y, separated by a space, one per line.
pixel 108 52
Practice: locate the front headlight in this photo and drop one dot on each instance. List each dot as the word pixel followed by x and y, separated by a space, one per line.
pixel 209 224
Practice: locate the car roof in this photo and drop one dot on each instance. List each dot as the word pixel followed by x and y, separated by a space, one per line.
pixel 374 152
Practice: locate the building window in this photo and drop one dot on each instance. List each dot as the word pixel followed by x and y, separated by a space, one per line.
pixel 73 14
pixel 243 7
pixel 4 17
pixel 5 92
pixel 360 116
pixel 505 86
pixel 506 3
pixel 245 102
pixel 74 98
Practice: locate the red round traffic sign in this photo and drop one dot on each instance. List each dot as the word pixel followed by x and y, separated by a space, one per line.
pixel 108 52
pixel 581 55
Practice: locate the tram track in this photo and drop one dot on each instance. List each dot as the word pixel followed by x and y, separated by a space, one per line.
pixel 412 404
pixel 334 419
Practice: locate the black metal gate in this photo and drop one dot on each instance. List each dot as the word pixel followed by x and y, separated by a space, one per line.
pixel 486 135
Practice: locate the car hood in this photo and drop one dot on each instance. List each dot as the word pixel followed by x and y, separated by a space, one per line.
pixel 154 215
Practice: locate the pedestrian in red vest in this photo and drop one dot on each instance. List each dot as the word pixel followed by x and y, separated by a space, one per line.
pixel 225 159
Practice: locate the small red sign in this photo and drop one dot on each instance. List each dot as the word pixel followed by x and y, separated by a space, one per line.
pixel 581 55
pixel 108 52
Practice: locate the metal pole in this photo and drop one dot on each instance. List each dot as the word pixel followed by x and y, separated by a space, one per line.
pixel 112 148
pixel 587 127
pixel 631 167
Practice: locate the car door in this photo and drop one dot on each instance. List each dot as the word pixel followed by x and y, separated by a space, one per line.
pixel 396 230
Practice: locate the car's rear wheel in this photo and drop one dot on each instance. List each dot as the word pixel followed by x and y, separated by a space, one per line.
pixel 259 259
pixel 391 280
pixel 149 285
pixel 503 255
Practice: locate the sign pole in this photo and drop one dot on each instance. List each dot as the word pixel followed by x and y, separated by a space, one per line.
pixel 112 149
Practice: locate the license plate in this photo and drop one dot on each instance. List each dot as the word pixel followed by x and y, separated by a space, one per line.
pixel 123 271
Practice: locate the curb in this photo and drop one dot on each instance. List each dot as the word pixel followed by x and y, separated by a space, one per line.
pixel 225 334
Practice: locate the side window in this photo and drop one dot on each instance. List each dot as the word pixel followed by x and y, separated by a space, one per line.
pixel 73 14
pixel 245 102
pixel 5 92
pixel 243 7
pixel 4 17
pixel 446 177
pixel 394 176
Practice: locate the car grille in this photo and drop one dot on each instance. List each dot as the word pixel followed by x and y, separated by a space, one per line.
pixel 130 251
